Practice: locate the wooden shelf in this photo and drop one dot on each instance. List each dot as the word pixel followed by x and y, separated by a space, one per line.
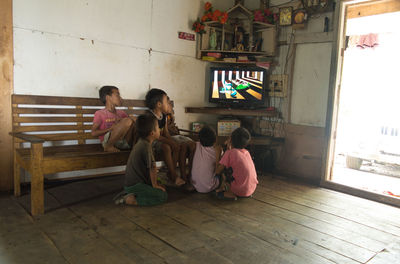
pixel 256 140
pixel 238 52
pixel 230 111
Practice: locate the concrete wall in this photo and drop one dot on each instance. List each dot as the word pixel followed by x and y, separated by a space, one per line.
pixel 72 48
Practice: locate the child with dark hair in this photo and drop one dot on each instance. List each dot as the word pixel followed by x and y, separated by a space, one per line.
pixel 237 161
pixel 141 186
pixel 113 127
pixel 206 156
pixel 157 102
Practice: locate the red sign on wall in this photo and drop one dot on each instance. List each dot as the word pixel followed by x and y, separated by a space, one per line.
pixel 186 36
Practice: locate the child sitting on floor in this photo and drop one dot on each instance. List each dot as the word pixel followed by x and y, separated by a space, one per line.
pixel 206 156
pixel 141 186
pixel 237 159
pixel 113 127
pixel 157 102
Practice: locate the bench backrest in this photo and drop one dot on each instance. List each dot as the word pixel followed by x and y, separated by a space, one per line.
pixel 56 118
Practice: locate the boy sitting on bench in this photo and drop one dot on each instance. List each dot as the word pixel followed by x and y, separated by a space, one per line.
pixel 113 127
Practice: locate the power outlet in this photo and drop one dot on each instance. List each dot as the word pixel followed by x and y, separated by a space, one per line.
pixel 278 85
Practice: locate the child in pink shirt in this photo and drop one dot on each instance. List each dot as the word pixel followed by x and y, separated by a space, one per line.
pixel 238 158
pixel 113 127
pixel 205 159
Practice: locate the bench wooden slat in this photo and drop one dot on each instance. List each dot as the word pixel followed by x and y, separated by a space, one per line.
pixel 82 162
pixel 57 100
pixel 51 128
pixel 50 119
pixel 28 110
pixel 65 150
pixel 64 136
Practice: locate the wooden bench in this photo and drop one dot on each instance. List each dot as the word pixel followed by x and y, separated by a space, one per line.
pixel 42 128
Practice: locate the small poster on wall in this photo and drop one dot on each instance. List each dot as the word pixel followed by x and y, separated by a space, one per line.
pixel 186 36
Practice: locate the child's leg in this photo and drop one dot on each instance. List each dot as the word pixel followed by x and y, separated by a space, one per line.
pixel 146 195
pixel 167 153
pixel 182 160
pixel 119 131
pixel 130 134
pixel 192 148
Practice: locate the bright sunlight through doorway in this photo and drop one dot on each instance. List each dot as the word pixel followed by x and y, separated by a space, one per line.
pixel 367 150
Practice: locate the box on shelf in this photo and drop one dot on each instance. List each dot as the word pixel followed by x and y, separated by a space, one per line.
pixel 225 126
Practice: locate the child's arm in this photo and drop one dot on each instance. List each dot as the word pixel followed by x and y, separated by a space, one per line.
pixel 153 178
pixel 168 141
pixel 218 152
pixel 165 131
pixel 99 132
pixel 220 168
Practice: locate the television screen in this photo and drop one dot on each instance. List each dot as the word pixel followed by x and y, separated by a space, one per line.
pixel 237 86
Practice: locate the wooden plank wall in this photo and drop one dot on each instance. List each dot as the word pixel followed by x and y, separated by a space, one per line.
pixel 301 156
pixel 6 89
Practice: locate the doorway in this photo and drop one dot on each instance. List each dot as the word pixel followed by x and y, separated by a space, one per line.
pixel 365 138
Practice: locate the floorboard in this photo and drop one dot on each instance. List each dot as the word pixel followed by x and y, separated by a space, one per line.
pixel 284 222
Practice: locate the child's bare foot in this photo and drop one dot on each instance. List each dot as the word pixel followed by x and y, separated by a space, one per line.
pixel 179 181
pixel 189 188
pixel 229 196
pixel 130 200
pixel 110 149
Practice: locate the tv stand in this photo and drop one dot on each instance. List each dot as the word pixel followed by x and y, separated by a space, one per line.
pixel 256 140
pixel 231 111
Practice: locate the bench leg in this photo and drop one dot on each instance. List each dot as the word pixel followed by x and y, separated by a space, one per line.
pixel 17 177
pixel 37 187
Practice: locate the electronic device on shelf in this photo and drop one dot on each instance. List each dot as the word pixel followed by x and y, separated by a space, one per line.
pixel 238 87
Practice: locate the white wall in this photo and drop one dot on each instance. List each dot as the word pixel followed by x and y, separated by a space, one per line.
pixel 72 48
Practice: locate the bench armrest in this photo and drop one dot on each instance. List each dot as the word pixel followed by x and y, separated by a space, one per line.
pixel 29 138
pixel 188 131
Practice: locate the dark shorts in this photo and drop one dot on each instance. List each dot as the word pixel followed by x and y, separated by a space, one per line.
pixel 157 149
pixel 121 144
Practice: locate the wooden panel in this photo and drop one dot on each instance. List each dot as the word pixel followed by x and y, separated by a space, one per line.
pixel 65 136
pixel 66 150
pixel 50 119
pixel 37 187
pixel 6 89
pixel 51 128
pixel 302 153
pixel 372 8
pixel 57 100
pixel 29 110
pixel 55 164
pixel 59 137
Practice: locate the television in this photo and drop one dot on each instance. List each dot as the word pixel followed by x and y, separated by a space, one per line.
pixel 238 87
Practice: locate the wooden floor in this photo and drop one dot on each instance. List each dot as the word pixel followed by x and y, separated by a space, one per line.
pixel 285 222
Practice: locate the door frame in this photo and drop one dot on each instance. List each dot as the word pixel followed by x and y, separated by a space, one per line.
pixel 367 7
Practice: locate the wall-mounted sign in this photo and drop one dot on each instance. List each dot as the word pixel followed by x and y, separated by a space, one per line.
pixel 186 36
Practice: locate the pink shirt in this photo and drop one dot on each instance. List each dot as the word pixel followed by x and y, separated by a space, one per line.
pixel 106 119
pixel 203 169
pixel 244 172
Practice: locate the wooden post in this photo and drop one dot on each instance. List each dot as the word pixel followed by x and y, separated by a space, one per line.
pixel 17 175
pixel 6 89
pixel 37 187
